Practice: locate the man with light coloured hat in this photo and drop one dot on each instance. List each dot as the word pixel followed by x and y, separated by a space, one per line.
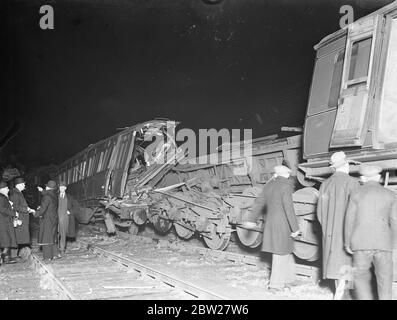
pixel 334 196
pixel 370 230
pixel 281 226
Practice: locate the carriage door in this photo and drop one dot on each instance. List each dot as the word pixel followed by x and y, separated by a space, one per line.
pixel 355 100
pixel 121 159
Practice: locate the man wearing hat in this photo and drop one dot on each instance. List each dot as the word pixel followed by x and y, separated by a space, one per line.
pixel 370 226
pixel 49 221
pixel 66 218
pixel 21 207
pixel 332 203
pixel 7 232
pixel 281 226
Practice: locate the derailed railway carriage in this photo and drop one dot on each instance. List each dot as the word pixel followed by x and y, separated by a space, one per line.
pixel 353 98
pixel 352 107
pixel 117 181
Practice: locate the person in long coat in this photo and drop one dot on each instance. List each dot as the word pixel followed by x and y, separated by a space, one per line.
pixel 20 205
pixel 48 214
pixel 370 233
pixel 66 218
pixel 281 226
pixel 7 232
pixel 334 196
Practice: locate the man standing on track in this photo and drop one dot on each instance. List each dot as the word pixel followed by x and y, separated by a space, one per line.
pixel 48 222
pixel 7 232
pixel 370 230
pixel 67 225
pixel 280 228
pixel 334 196
pixel 22 232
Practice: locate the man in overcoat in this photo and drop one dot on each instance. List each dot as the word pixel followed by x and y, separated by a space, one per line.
pixel 7 232
pixel 48 213
pixel 20 205
pixel 281 226
pixel 370 230
pixel 333 200
pixel 66 218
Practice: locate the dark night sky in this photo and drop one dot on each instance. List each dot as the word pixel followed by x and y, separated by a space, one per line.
pixel 111 64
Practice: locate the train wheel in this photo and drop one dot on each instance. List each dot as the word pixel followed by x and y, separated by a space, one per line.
pixel 306 251
pixel 218 239
pixel 161 223
pixel 133 229
pixel 139 217
pixel 183 230
pixel 303 180
pixel 305 201
pixel 249 237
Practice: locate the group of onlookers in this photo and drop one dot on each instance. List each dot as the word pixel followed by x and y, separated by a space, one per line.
pixel 56 220
pixel 359 229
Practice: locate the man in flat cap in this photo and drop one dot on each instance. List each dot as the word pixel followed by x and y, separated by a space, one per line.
pixel 48 221
pixel 22 232
pixel 334 196
pixel 281 226
pixel 7 232
pixel 67 225
pixel 370 227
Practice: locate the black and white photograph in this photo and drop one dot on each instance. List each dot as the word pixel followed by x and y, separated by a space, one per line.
pixel 198 155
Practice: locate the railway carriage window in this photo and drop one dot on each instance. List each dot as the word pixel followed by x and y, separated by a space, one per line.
pixel 359 61
pixel 100 163
pixel 89 170
pixel 75 171
pixel 69 175
pixel 336 80
pixel 122 152
pixel 83 166
pixel 95 162
pixel 80 171
pixel 108 154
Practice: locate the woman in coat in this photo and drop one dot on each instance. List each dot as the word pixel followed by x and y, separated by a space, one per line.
pixel 48 221
pixel 280 228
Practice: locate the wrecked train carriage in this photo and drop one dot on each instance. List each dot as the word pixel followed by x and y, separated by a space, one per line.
pixel 100 172
pixel 214 200
pixel 353 98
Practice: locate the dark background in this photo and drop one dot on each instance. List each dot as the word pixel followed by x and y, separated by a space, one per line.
pixel 110 64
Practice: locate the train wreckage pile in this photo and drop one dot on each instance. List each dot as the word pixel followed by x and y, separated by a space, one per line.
pixel 213 200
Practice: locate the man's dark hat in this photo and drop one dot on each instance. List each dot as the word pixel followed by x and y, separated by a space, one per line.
pixel 18 180
pixel 3 184
pixel 63 183
pixel 51 184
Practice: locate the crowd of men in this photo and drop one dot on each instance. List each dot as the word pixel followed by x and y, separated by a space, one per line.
pixel 358 222
pixel 56 220
pixel 359 229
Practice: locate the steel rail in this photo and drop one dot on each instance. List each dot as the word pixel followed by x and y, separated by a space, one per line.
pixel 59 286
pixel 308 271
pixel 187 287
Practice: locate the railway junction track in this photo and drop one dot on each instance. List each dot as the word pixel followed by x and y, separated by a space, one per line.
pixel 90 272
pixel 130 267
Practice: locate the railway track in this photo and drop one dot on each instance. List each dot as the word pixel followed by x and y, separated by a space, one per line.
pixel 311 272
pixel 131 267
pixel 227 274
pixel 90 272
